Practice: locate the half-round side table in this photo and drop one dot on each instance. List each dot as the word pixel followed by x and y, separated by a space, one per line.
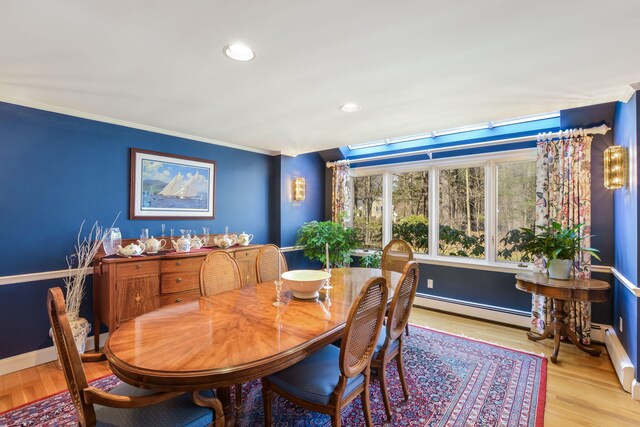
pixel 588 290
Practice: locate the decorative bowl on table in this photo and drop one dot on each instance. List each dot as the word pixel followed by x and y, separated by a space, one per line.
pixel 305 284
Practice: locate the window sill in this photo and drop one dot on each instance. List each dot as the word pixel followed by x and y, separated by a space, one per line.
pixel 473 264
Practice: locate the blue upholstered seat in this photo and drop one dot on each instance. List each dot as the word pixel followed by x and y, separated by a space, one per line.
pixel 179 411
pixel 314 378
pixel 380 343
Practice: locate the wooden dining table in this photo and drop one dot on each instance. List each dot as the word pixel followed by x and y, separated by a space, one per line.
pixel 235 336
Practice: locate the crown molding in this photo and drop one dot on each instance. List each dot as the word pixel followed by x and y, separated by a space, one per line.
pixel 629 91
pixel 118 122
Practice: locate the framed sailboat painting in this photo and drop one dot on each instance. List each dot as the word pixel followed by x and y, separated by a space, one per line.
pixel 167 186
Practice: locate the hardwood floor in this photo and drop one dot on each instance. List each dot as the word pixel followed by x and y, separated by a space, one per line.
pixel 581 390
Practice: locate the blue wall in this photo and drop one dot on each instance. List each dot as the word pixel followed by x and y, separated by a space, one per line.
pixel 625 210
pixel 312 168
pixel 59 170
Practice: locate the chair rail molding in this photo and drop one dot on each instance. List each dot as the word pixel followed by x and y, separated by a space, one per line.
pixel 37 277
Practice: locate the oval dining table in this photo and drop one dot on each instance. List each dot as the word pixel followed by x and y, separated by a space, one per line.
pixel 233 337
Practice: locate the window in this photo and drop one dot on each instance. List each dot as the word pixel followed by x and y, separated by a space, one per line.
pixel 367 210
pixel 410 200
pixel 461 212
pixel 516 207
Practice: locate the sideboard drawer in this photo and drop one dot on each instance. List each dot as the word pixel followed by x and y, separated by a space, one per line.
pixel 179 297
pixel 179 282
pixel 138 268
pixel 246 254
pixel 182 264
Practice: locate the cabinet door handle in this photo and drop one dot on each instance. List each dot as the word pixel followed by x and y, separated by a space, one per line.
pixel 178 299
pixel 179 280
pixel 178 263
pixel 138 266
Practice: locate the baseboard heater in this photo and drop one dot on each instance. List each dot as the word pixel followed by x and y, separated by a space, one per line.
pixel 619 358
pixel 493 313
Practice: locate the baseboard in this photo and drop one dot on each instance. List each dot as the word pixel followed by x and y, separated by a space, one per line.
pixel 479 311
pixel 38 357
pixel 619 358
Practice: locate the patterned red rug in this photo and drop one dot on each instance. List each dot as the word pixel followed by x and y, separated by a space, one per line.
pixel 453 381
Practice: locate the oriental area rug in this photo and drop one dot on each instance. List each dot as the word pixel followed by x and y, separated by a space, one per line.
pixel 453 381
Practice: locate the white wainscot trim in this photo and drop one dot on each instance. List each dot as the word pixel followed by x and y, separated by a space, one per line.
pixel 626 282
pixel 37 277
pixel 38 357
pixel 291 248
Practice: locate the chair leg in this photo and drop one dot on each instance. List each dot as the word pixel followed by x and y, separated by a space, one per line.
pixel 238 396
pixel 405 390
pixel 336 419
pixel 406 330
pixel 366 403
pixel 267 398
pixel 382 377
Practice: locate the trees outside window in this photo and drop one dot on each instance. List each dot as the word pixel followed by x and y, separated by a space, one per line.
pixel 367 210
pixel 410 199
pixel 461 212
pixel 516 205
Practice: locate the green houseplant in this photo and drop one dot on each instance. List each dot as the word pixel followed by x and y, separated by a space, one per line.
pixel 558 245
pixel 314 235
pixel 371 261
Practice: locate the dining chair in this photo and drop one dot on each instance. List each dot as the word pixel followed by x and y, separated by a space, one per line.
pixel 267 263
pixel 124 405
pixel 219 273
pixel 389 345
pixel 395 256
pixel 330 378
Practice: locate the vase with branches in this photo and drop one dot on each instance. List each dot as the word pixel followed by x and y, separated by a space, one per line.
pixel 78 265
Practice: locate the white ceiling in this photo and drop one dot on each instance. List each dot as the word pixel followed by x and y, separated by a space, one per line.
pixel 413 65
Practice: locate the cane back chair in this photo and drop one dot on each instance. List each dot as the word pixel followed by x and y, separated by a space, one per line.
pixel 124 405
pixel 389 345
pixel 267 263
pixel 330 378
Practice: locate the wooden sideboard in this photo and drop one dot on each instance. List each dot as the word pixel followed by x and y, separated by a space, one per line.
pixel 124 288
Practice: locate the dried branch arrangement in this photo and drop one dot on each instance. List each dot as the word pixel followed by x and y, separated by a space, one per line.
pixel 80 262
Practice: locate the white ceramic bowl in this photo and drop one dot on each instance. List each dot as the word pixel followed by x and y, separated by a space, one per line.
pixel 305 284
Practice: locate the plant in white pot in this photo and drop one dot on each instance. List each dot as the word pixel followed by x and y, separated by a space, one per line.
pixel 78 265
pixel 558 245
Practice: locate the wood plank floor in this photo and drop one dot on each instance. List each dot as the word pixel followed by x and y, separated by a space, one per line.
pixel 581 390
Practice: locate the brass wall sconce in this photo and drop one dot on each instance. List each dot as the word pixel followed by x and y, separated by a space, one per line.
pixel 298 189
pixel 615 167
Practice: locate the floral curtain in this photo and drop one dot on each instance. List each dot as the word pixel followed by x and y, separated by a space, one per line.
pixel 340 197
pixel 563 194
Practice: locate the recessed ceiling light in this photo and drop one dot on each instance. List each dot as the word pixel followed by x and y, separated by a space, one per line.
pixel 238 52
pixel 350 107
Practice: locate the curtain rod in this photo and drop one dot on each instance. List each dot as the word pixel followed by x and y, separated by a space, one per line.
pixel 545 136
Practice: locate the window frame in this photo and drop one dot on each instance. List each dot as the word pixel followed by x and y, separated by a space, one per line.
pixel 490 162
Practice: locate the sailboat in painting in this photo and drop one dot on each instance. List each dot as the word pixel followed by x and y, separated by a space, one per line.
pixel 180 189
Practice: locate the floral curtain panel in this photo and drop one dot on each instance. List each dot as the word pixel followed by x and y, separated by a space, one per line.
pixel 340 197
pixel 563 194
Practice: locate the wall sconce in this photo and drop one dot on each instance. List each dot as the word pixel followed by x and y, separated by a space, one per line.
pixel 298 189
pixel 615 167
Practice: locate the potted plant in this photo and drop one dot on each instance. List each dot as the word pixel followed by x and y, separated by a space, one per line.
pixel 372 260
pixel 314 235
pixel 78 265
pixel 558 245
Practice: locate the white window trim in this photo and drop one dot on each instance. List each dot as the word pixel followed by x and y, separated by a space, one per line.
pixel 487 160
